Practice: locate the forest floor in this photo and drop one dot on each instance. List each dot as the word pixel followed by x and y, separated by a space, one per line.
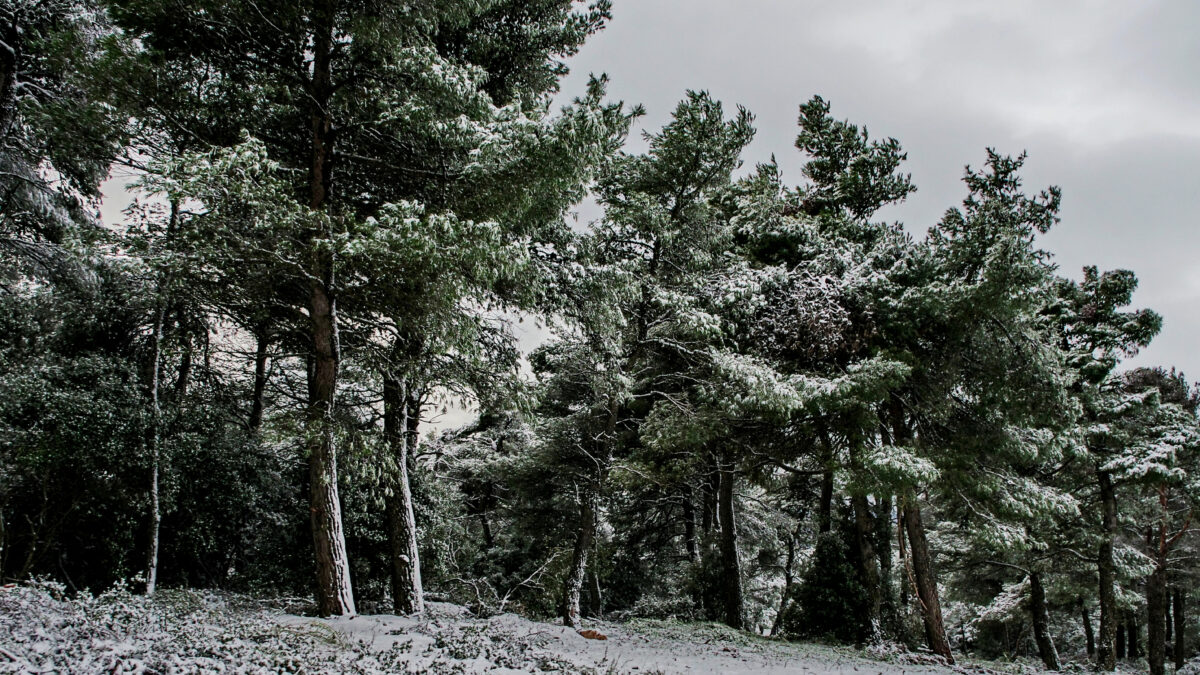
pixel 41 631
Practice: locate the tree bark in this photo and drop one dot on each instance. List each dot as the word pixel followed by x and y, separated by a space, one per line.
pixel 926 579
pixel 595 598
pixel 1106 656
pixel 153 434
pixel 261 360
pixel 334 593
pixel 584 535
pixel 825 506
pixel 785 599
pixel 1156 604
pixel 407 594
pixel 689 527
pixel 731 591
pixel 10 57
pixel 1133 635
pixel 864 537
pixel 1089 635
pixel 1180 626
pixel 1121 653
pixel 1041 622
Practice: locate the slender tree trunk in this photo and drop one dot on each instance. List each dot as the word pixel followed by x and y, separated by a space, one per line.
pixel 1106 656
pixel 926 579
pixel 864 537
pixel 1156 604
pixel 1041 622
pixel 689 528
pixel 407 594
pixel 1121 653
pixel 153 433
pixel 584 534
pixel 488 540
pixel 1089 635
pixel 706 505
pixel 1180 626
pixel 184 378
pixel 10 57
pixel 785 599
pixel 731 566
pixel 1133 635
pixel 1167 614
pixel 825 506
pixel 905 563
pixel 261 360
pixel 334 593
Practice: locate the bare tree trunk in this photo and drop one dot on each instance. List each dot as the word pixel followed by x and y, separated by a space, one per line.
pixel 864 537
pixel 10 58
pixel 1106 656
pixel 788 578
pixel 1156 602
pixel 926 580
pixel 825 506
pixel 334 593
pixel 1121 653
pixel 584 534
pixel 1180 626
pixel 1087 630
pixel 730 563
pixel 689 527
pixel 1133 633
pixel 153 433
pixel 1167 614
pixel 1041 622
pixel 407 594
pixel 261 359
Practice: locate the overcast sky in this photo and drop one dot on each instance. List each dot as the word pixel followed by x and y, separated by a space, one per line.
pixel 1105 97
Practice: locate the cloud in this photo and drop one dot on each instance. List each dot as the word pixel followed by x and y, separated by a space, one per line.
pixel 1104 94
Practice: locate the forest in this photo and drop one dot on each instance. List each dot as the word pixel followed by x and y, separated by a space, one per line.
pixel 726 399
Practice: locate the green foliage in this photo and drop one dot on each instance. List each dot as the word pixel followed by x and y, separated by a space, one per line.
pixel 829 602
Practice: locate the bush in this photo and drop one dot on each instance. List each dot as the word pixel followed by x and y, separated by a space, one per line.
pixel 829 602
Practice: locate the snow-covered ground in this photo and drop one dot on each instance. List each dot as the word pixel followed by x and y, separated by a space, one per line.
pixel 200 632
pixel 512 644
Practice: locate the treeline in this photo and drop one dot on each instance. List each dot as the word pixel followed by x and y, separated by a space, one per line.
pixel 752 402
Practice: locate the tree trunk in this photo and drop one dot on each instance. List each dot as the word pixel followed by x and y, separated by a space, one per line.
pixel 595 598
pixel 785 599
pixel 1087 630
pixel 407 594
pixel 926 579
pixel 1106 656
pixel 1156 604
pixel 10 57
pixel 488 540
pixel 905 564
pixel 731 567
pixel 1120 640
pixel 1133 635
pixel 261 359
pixel 153 434
pixel 334 593
pixel 864 538
pixel 689 528
pixel 1180 626
pixel 585 533
pixel 1041 622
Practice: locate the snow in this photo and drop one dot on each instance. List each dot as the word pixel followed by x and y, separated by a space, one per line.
pixel 205 632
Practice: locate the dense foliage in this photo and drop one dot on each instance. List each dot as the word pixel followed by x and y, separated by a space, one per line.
pixel 749 402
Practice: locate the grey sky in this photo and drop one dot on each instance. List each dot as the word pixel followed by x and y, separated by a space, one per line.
pixel 1105 97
